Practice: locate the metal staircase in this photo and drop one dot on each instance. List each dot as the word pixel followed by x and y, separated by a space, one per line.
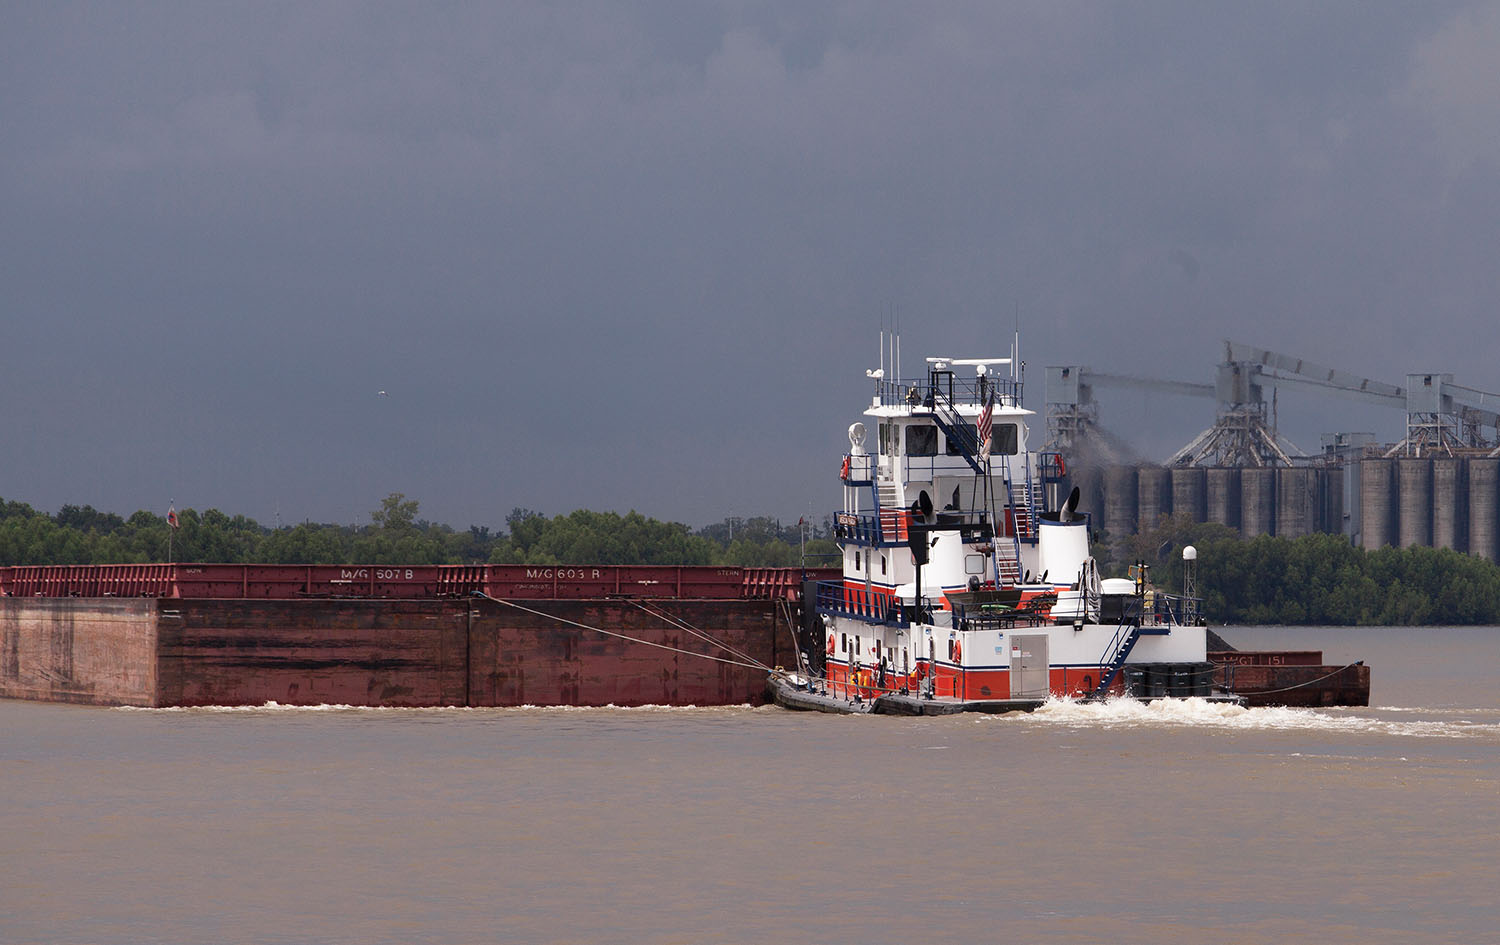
pixel 1007 563
pixel 958 431
pixel 891 508
pixel 1026 499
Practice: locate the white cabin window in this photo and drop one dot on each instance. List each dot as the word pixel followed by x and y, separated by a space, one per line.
pixel 953 446
pixel 882 564
pixel 921 440
pixel 1007 440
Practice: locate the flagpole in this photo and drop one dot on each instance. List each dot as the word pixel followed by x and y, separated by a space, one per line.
pixel 171 527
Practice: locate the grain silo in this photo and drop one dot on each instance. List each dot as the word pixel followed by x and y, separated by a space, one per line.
pixel 1153 495
pixel 1296 501
pixel 1484 483
pixel 1257 500
pixel 1119 500
pixel 1377 509
pixel 1448 490
pixel 1414 501
pixel 1189 492
pixel 1222 485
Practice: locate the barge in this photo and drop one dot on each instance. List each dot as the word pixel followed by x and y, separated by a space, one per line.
pixel 488 635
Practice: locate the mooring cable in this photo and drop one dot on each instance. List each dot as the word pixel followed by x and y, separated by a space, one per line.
pixel 679 623
pixel 1301 685
pixel 620 636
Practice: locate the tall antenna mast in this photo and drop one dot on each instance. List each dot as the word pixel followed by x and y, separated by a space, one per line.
pixel 896 342
pixel 1015 354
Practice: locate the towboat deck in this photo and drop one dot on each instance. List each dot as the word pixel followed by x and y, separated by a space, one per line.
pixel 898 704
pixel 794 692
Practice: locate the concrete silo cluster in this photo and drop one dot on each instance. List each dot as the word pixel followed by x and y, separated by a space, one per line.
pixel 1442 502
pixel 1439 486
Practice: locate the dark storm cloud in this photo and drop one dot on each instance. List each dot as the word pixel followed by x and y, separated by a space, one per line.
pixel 621 255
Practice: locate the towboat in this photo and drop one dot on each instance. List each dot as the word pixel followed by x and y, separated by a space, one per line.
pixel 968 584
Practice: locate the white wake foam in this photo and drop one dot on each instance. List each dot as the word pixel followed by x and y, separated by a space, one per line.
pixel 1200 713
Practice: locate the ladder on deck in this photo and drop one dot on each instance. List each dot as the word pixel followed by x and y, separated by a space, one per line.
pixel 889 507
pixel 1125 638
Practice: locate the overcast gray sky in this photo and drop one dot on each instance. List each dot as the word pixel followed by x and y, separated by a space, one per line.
pixel 629 255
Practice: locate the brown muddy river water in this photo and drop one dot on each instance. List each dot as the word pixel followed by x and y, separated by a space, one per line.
pixel 1173 822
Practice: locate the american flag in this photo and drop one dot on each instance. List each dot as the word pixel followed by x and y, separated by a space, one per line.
pixel 985 426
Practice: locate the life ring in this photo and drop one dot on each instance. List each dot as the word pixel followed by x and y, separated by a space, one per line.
pixel 844 473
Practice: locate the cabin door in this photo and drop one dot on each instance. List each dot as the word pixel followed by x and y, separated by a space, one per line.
pixel 1028 666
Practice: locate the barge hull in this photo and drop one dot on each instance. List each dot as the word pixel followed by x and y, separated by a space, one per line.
pixel 400 653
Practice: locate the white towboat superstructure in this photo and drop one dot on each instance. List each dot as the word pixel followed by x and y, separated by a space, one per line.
pixel 966 584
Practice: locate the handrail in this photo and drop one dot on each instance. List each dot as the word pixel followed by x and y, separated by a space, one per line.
pixel 886 527
pixel 911 392
pixel 1169 610
pixel 835 597
pixel 1117 650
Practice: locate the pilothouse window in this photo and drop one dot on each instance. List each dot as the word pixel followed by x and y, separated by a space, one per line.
pixel 921 440
pixel 1007 442
pixel 969 435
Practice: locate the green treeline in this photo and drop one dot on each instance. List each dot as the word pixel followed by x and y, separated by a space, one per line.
pixel 396 535
pixel 1318 579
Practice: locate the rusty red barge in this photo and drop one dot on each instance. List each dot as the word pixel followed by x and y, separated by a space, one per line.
pixel 453 635
pixel 481 635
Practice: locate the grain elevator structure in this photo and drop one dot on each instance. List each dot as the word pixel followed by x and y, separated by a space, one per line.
pixel 1438 485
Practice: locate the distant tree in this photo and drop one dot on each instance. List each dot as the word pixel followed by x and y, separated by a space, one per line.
pixel 526 529
pixel 88 519
pixel 396 513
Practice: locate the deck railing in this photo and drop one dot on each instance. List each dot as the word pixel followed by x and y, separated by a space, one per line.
pixel 835 597
pixel 295 581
